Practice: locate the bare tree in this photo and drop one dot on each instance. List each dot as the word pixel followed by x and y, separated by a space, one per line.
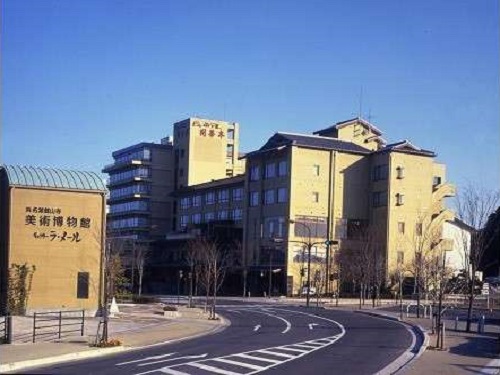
pixel 362 260
pixel 141 252
pixel 474 206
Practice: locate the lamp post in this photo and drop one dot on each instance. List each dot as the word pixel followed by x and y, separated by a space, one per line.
pixel 179 286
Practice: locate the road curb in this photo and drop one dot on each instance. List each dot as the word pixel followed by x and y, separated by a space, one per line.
pixel 401 363
pixel 94 353
pixel 15 366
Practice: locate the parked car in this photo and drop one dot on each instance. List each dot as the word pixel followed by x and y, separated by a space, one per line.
pixel 305 290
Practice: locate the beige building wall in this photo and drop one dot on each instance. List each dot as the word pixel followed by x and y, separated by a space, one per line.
pixel 59 232
pixel 206 150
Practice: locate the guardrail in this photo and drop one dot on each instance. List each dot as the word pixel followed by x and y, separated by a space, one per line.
pixel 63 324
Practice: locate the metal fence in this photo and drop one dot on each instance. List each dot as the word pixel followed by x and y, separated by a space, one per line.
pixel 5 329
pixel 58 323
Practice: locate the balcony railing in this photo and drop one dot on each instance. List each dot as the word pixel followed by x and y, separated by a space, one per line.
pixel 125 164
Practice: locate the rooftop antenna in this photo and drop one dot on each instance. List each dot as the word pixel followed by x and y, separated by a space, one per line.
pixel 370 115
pixel 360 114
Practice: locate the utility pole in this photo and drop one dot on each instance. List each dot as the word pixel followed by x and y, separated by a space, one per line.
pixel 270 274
pixel 179 287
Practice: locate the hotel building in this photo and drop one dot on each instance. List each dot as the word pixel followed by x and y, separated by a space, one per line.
pixel 300 188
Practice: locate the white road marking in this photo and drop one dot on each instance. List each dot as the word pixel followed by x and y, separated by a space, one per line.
pixel 256 328
pixel 256 355
pixel 292 349
pixel 256 358
pixel 174 359
pixel 311 325
pixel 277 354
pixel 242 364
pixel 146 359
pixel 213 369
pixel 288 324
pixel 169 371
pixel 307 346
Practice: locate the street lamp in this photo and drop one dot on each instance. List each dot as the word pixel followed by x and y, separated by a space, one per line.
pixel 179 286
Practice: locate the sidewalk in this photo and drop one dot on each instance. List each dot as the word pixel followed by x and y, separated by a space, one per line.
pixel 465 353
pixel 135 326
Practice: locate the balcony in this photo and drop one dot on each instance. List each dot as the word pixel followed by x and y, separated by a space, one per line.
pixel 443 215
pixel 125 164
pixel 441 191
pixel 131 196
pixel 126 181
pixel 129 213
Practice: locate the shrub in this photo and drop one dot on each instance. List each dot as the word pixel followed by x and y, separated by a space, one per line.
pixel 108 344
pixel 169 308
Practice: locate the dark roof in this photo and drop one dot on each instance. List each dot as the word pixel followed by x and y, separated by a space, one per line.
pixel 280 140
pixel 342 124
pixel 406 147
pixel 239 179
pixel 52 178
pixel 139 146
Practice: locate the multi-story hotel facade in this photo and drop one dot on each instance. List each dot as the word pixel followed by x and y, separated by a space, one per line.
pixel 298 188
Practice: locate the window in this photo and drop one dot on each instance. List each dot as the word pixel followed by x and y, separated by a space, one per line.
pixel 282 168
pixel 223 196
pixel 237 214
pixel 380 172
pixel 379 198
pixel 222 215
pixel 237 194
pixel 282 195
pixel 316 169
pixel 82 286
pixel 315 224
pixel 401 227
pixel 274 227
pixel 270 170
pixel 229 173
pixel 196 201
pixel 210 198
pixel 185 202
pixel 401 257
pixel 182 152
pixel 400 172
pixel 315 196
pixel 229 151
pixel 181 172
pixel 196 218
pixel 254 198
pixel 184 221
pixel 254 173
pixel 436 180
pixel 230 133
pixel 418 229
pixel 400 199
pixel 209 216
pixel 269 196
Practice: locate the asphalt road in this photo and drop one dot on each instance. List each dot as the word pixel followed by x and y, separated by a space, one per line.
pixel 274 339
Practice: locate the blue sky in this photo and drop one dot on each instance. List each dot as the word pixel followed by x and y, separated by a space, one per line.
pixel 83 78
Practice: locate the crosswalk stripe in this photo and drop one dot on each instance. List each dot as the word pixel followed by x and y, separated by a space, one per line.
pixel 256 358
pixel 292 349
pixel 276 354
pixel 213 369
pixel 307 346
pixel 243 364
pixel 169 371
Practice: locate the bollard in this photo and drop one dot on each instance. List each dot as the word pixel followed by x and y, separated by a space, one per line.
pixel 480 325
pixel 456 323
pixel 8 328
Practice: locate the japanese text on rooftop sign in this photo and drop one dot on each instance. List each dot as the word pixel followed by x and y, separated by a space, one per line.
pixel 208 129
pixel 53 226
